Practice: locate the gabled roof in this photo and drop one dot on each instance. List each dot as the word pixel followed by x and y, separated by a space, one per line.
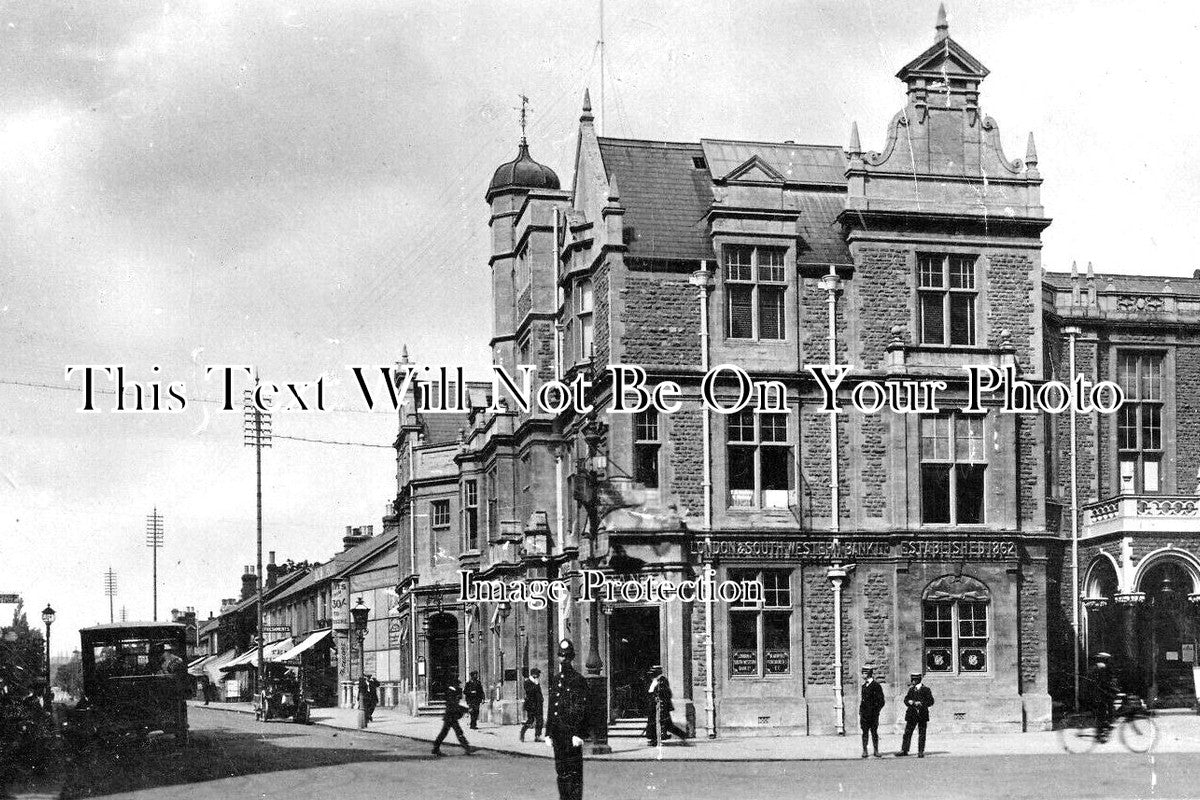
pixel 754 169
pixel 944 57
pixel 794 163
pixel 666 197
pixel 337 566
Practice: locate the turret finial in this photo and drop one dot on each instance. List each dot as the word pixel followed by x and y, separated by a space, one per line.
pixel 613 192
pixel 524 117
pixel 1031 158
pixel 404 354
pixel 943 27
pixel 586 116
pixel 1075 269
pixel 1091 273
pixel 855 145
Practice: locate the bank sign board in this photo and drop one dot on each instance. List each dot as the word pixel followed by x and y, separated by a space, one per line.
pixel 829 550
pixel 339 611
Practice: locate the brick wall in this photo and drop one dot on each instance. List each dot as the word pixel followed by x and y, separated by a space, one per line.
pixel 884 300
pixel 1031 601
pixel 662 320
pixel 1011 306
pixel 877 604
pixel 818 627
pixel 814 462
pixel 814 321
pixel 685 455
pixel 1187 416
pixel 872 458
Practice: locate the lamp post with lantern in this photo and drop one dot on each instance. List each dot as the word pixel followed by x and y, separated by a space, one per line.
pixel 591 472
pixel 360 612
pixel 48 616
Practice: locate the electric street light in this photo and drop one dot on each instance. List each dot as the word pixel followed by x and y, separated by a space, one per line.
pixel 48 618
pixel 591 473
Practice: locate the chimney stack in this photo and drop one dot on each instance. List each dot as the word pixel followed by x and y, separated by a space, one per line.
pixel 272 571
pixel 249 583
pixel 355 536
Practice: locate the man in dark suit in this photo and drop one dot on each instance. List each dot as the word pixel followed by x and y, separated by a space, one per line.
pixel 567 724
pixel 533 705
pixel 870 703
pixel 918 699
pixel 450 717
pixel 473 694
pixel 1104 691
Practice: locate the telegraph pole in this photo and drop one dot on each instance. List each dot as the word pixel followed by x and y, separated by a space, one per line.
pixel 110 590
pixel 154 540
pixel 256 433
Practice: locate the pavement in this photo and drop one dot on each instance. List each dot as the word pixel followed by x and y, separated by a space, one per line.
pixel 1179 732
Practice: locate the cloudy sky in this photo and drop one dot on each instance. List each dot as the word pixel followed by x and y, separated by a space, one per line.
pixel 299 186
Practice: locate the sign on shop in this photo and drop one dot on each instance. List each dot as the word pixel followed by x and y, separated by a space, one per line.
pixel 959 550
pixel 339 607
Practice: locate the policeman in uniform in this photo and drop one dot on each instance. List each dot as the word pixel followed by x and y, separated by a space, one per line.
pixel 567 724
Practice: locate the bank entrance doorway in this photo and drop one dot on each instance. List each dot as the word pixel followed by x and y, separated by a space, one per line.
pixel 634 647
pixel 443 654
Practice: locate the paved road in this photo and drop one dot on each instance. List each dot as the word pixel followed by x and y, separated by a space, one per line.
pixel 232 756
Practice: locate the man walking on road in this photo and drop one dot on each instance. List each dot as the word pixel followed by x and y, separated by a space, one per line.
pixel 567 724
pixel 918 699
pixel 450 717
pixel 533 705
pixel 473 693
pixel 870 703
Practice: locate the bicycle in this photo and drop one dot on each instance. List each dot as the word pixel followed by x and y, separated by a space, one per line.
pixel 1132 721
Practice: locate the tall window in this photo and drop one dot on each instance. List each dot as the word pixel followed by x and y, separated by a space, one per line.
pixel 953 466
pixel 760 460
pixel 948 298
pixel 1139 422
pixel 955 625
pixel 755 285
pixel 646 445
pixel 760 634
pixel 584 305
pixel 471 514
pixel 440 513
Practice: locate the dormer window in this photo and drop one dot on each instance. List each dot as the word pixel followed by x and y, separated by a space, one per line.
pixel 948 299
pixel 755 284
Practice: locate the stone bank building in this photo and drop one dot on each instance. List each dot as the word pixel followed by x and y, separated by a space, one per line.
pixel 936 542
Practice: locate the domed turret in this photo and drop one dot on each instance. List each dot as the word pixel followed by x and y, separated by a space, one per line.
pixel 522 173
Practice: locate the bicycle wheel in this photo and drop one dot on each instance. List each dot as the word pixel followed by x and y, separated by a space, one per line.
pixel 1077 734
pixel 1139 734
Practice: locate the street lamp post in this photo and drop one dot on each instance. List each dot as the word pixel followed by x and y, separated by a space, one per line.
pixel 360 612
pixel 593 472
pixel 48 618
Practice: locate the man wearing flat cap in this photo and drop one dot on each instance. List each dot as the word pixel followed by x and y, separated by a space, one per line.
pixel 567 723
pixel 1104 692
pixel 917 700
pixel 870 703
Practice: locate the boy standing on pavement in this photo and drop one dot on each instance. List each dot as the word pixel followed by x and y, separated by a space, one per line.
pixel 533 705
pixel 870 703
pixel 918 699
pixel 473 693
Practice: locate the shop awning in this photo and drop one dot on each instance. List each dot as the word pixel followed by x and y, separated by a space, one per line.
pixel 249 659
pixel 310 641
pixel 197 666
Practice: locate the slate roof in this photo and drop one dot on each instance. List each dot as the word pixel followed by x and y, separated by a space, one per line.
pixel 337 565
pixel 1142 284
pixel 797 163
pixel 665 196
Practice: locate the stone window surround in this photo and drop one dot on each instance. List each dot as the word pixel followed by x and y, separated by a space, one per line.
pixel 1168 476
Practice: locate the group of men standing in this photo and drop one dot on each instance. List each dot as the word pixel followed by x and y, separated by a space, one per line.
pixel 917 701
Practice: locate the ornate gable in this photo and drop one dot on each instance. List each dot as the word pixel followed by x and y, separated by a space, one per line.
pixel 754 170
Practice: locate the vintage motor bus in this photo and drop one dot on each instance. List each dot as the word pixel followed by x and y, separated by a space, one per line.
pixel 135 682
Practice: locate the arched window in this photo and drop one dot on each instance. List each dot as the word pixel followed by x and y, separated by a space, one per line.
pixel 955 625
